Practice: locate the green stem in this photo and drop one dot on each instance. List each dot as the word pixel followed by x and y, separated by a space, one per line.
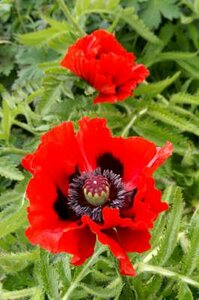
pixel 132 121
pixel 12 150
pixel 25 126
pixel 83 273
pixel 19 294
pixel 141 267
pixel 69 16
pixel 114 24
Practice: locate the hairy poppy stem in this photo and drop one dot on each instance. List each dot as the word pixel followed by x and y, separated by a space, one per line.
pixel 70 18
pixel 132 121
pixel 83 272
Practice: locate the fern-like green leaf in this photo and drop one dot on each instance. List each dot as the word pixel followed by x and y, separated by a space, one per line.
pixel 152 89
pixel 163 114
pixel 191 66
pixel 191 259
pixel 56 37
pixel 160 223
pixel 99 291
pixel 12 221
pixel 172 56
pixel 184 98
pixel 14 262
pixel 129 16
pixel 47 276
pixel 56 83
pixel 184 292
pixel 112 7
pixel 9 169
pixel 169 241
pixel 160 133
pixel 95 6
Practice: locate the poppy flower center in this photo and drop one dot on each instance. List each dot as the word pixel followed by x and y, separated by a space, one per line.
pixel 90 192
pixel 96 190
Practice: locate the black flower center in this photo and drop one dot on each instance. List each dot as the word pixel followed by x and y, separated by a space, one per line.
pixel 91 191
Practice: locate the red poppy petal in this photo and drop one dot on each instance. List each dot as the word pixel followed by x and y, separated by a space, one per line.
pixel 161 155
pixel 90 136
pixel 134 240
pixel 54 156
pixel 135 153
pixel 108 236
pixel 80 242
pixel 47 239
pixel 42 194
pixel 26 162
pixel 102 98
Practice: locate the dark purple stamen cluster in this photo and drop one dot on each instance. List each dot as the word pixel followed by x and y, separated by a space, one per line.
pixel 91 191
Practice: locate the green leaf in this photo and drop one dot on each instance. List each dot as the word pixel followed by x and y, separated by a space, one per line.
pixel 152 89
pixel 14 262
pixel 57 36
pixel 99 291
pixel 184 98
pixel 175 55
pixel 95 6
pixel 57 82
pixel 190 65
pixel 47 276
pixel 20 294
pixel 138 25
pixel 184 292
pixel 164 115
pixel 169 240
pixel 154 9
pixel 191 259
pixel 13 221
pixel 161 221
pixel 111 7
pixel 9 169
pixel 160 133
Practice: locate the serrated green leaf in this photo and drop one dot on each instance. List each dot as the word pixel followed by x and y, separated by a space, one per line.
pixel 191 66
pixel 152 89
pixel 153 10
pixel 169 240
pixel 14 262
pixel 56 83
pixel 175 55
pixel 184 292
pixel 9 169
pixel 47 276
pixel 138 25
pixel 98 291
pixel 191 259
pixel 86 6
pixel 13 221
pixel 184 98
pixel 56 37
pixel 161 221
pixel 164 115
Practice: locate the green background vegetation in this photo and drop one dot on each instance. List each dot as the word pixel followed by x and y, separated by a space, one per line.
pixel 36 94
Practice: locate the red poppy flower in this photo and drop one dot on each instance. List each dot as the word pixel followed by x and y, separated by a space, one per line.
pixel 101 60
pixel 89 185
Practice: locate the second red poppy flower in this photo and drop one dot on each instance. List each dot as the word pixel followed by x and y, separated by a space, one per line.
pixel 102 61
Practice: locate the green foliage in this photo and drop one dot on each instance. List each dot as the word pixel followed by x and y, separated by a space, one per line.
pixel 155 9
pixel 36 94
pixel 8 169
